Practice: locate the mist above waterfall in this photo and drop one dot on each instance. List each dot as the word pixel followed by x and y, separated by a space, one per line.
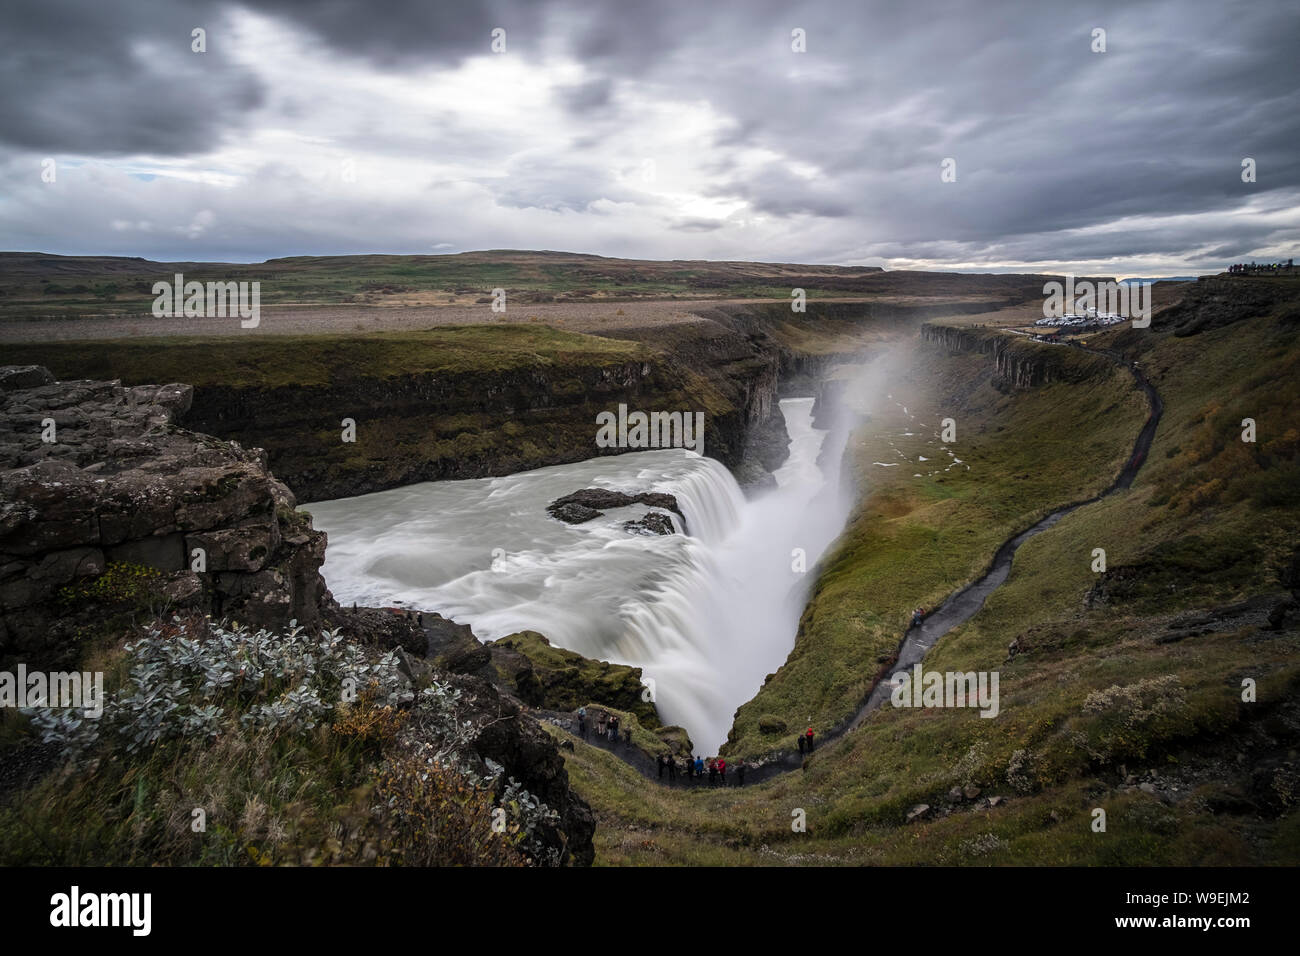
pixel 706 616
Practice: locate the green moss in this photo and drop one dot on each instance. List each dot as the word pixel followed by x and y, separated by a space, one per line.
pixel 563 680
pixel 121 583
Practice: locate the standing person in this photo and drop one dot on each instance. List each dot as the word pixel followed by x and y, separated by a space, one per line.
pixel 613 728
pixel 627 735
pixel 672 769
pixel 582 722
pixel 713 773
pixel 699 766
pixel 801 744
pixel 600 723
pixel 722 771
pixel 809 735
pixel 740 774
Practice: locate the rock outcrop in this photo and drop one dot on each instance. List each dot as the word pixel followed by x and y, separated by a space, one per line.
pixel 528 666
pixel 93 475
pixel 550 677
pixel 582 506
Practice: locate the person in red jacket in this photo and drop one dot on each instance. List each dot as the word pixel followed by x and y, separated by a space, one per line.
pixel 722 771
pixel 809 735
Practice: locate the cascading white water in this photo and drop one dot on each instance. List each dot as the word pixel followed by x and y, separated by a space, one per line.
pixel 706 616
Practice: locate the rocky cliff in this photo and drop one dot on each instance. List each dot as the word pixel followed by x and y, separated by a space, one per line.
pixel 433 427
pixel 94 474
pixel 1019 361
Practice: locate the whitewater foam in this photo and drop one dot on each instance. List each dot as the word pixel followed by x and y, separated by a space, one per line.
pixel 707 617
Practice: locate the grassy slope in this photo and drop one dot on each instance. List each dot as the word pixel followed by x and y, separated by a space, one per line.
pixel 914 541
pixel 1054 762
pixel 267 361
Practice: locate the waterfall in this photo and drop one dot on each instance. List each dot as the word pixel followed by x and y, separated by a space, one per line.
pixel 706 616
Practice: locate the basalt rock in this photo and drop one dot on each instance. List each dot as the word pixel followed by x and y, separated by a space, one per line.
pixel 93 475
pixel 1019 363
pixel 381 627
pixel 591 502
pixel 653 523
pixel 572 513
pixel 454 647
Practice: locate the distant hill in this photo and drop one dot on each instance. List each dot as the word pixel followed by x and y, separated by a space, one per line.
pixel 33 283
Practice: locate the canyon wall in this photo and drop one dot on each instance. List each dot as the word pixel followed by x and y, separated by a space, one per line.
pixel 474 424
pixel 1019 361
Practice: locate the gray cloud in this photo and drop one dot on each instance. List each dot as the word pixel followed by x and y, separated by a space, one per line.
pixel 834 154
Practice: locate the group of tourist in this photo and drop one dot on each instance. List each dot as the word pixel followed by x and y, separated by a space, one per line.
pixel 697 769
pixel 690 768
pixel 1261 268
pixel 606 725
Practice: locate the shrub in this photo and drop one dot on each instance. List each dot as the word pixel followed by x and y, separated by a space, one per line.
pixel 431 815
pixel 1128 719
pixel 194 687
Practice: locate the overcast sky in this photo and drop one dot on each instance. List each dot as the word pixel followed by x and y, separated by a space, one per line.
pixel 663 130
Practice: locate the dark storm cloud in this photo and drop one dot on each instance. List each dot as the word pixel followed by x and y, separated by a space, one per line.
pixel 840 146
pixel 107 78
pixel 403 33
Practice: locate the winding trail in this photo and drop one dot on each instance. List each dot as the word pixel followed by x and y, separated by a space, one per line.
pixel 958 607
